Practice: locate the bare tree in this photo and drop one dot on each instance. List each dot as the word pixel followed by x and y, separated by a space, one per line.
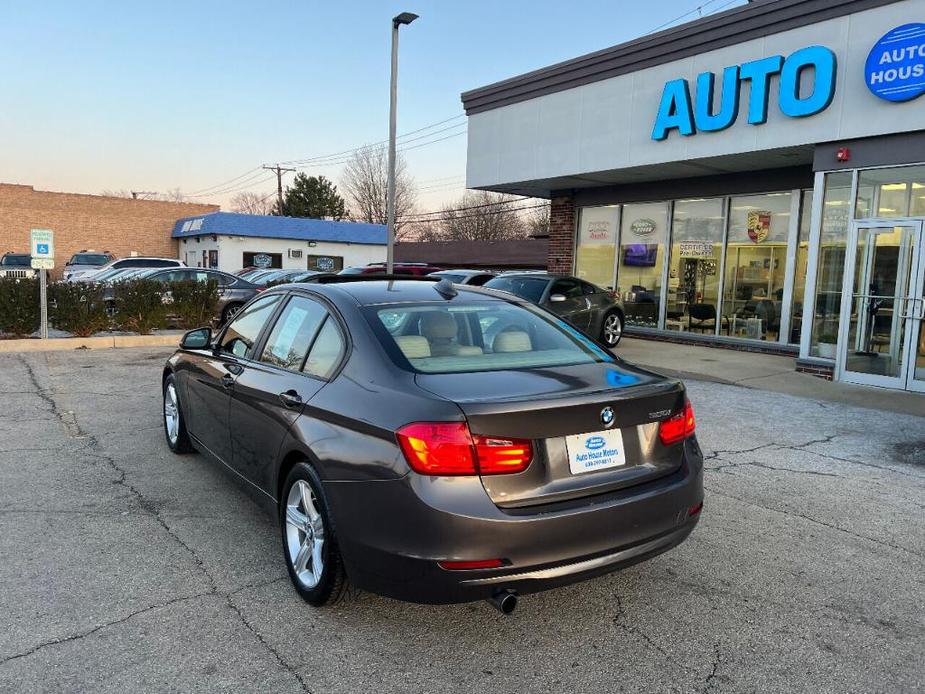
pixel 481 215
pixel 172 195
pixel 248 202
pixel 365 181
pixel 537 221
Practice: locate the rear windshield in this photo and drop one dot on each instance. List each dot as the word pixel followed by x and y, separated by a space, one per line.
pixel 529 288
pixel 479 336
pixel 16 260
pixel 89 259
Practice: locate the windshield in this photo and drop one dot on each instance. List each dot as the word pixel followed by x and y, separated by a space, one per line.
pixel 529 288
pixel 16 260
pixel 466 337
pixel 89 259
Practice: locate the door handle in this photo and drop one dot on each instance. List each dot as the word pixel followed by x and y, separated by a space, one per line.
pixel 227 381
pixel 290 398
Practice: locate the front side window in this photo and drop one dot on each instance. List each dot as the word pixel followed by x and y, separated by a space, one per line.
pixel 293 333
pixel 529 288
pixel 242 332
pixel 479 336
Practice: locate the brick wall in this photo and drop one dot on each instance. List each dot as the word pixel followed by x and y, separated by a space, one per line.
pixel 118 225
pixel 561 235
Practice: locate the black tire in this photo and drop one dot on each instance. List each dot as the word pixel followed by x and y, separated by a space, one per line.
pixel 229 311
pixel 180 443
pixel 332 583
pixel 612 329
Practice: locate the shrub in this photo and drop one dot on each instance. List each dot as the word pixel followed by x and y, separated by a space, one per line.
pixel 140 305
pixel 78 308
pixel 193 303
pixel 19 306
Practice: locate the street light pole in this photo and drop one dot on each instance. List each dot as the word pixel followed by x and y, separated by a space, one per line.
pixel 397 21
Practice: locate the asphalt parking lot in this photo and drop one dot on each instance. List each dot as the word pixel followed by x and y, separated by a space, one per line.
pixel 125 568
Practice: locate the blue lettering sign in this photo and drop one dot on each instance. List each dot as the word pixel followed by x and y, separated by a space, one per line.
pixel 675 112
pixel 895 67
pixel 822 60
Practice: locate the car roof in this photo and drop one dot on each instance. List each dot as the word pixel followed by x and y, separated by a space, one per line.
pixel 534 274
pixel 463 272
pixel 375 291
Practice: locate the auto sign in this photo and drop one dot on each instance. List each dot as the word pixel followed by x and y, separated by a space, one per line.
pixel 895 66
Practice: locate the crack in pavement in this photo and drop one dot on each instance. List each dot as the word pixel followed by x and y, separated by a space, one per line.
pixel 793 514
pixel 618 621
pixel 711 678
pixel 755 463
pixel 94 449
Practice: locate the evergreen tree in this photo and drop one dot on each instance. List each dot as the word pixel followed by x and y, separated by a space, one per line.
pixel 312 196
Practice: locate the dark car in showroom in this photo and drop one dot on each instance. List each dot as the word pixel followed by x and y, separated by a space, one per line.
pixel 596 312
pixel 409 450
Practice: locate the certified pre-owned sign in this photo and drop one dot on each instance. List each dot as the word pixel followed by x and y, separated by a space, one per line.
pixel 895 68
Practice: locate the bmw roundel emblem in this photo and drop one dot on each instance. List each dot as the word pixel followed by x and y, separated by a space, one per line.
pixel 607 416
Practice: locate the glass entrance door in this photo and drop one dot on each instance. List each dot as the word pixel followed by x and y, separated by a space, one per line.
pixel 881 305
pixel 915 311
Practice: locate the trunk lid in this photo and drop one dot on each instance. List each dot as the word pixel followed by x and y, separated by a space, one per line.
pixel 552 406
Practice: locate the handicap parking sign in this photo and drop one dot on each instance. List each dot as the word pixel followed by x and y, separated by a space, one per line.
pixel 41 249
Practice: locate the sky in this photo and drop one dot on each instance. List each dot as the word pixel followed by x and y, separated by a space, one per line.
pixel 155 96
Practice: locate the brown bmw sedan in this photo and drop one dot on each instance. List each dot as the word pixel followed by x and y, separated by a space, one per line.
pixel 437 443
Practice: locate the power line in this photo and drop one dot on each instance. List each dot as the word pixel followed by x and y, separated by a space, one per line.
pixel 475 207
pixel 700 8
pixel 407 220
pixel 224 183
pixel 400 149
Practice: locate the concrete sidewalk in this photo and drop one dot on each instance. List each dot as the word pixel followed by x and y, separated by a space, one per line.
pixel 760 371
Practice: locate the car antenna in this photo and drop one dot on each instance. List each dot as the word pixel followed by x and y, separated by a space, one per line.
pixel 445 288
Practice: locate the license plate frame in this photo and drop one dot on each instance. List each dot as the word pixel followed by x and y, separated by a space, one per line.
pixel 594 451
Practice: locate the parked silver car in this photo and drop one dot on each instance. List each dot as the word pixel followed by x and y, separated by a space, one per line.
pixel 125 263
pixel 86 261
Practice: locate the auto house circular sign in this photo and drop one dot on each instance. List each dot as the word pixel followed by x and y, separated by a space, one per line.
pixel 262 260
pixel 643 227
pixel 895 67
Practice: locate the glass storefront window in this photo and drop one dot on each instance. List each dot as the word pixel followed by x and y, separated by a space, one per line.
pixel 802 262
pixel 643 239
pixel 693 275
pixel 597 244
pixel 756 257
pixel 898 192
pixel 836 208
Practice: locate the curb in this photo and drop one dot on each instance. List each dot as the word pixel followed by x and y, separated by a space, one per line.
pixel 58 344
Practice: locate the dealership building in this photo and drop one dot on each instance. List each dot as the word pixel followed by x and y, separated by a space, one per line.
pixel 755 178
pixel 230 241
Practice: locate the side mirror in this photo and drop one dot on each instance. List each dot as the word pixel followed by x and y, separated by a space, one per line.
pixel 556 298
pixel 200 338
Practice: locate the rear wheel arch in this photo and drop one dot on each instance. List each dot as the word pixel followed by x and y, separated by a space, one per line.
pixel 288 461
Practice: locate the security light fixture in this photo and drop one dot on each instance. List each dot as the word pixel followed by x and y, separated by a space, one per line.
pixel 404 18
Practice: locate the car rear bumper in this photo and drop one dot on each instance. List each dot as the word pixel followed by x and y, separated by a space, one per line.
pixel 393 533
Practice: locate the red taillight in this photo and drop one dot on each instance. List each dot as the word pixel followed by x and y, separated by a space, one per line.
pixel 447 448
pixel 463 565
pixel 260 289
pixel 679 426
pixel 498 456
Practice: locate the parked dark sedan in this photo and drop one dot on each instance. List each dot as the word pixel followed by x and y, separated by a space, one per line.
pixel 594 311
pixel 233 291
pixel 404 449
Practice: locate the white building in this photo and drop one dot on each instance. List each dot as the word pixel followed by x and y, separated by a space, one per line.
pixel 229 241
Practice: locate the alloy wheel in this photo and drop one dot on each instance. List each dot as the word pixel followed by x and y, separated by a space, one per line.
pixel 171 413
pixel 304 534
pixel 613 329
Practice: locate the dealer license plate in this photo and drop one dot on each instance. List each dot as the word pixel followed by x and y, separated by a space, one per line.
pixel 597 450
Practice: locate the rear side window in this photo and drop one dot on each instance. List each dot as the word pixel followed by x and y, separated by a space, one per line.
pixel 326 351
pixel 570 289
pixel 479 280
pixel 293 333
pixel 242 332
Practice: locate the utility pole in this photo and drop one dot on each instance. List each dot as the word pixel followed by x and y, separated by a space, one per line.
pixel 279 171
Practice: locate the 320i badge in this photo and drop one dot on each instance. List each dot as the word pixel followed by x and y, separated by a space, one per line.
pixel 436 443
